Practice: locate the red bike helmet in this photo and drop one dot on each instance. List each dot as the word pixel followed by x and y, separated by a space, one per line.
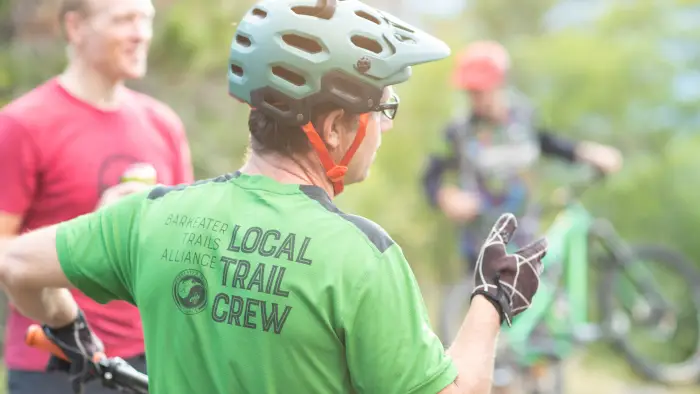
pixel 482 65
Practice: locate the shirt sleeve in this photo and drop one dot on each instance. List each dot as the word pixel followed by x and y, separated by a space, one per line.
pixel 390 346
pixel 19 162
pixel 97 251
pixel 558 146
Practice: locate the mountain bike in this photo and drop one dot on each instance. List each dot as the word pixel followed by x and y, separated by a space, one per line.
pixel 632 297
pixel 114 372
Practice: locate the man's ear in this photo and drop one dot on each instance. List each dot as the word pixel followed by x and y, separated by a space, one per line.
pixel 72 24
pixel 332 127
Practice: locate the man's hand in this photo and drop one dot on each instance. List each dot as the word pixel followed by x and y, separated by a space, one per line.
pixel 458 205
pixel 508 281
pixel 120 190
pixel 80 345
pixel 604 157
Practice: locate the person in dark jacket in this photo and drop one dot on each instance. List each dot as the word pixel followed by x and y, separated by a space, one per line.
pixel 493 150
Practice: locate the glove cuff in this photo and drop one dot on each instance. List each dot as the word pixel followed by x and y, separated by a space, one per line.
pixel 79 322
pixel 500 301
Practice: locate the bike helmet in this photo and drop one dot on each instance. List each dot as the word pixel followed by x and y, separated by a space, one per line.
pixel 482 65
pixel 287 56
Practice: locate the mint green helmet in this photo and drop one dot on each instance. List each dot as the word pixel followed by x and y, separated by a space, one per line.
pixel 290 55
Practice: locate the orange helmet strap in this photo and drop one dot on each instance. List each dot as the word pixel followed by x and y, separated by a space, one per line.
pixel 336 172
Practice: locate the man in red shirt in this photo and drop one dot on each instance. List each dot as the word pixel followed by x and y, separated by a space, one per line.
pixel 64 148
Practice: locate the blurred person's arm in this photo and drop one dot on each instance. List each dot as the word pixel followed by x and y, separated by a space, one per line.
pixel 557 146
pixel 19 162
pixel 460 206
pixel 91 252
pixel 604 157
pixel 457 204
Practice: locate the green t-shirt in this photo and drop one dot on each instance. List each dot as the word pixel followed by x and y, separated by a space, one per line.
pixel 247 285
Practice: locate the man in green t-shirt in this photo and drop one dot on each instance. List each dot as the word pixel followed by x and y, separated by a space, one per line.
pixel 255 282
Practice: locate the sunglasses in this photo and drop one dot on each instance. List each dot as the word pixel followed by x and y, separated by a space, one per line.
pixel 390 107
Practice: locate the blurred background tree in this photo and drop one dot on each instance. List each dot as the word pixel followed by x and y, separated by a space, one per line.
pixel 614 71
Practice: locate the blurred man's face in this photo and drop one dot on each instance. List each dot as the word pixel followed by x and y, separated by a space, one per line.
pixel 113 36
pixel 485 103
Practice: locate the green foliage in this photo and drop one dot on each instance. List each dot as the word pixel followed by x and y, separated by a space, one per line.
pixel 193 37
pixel 504 20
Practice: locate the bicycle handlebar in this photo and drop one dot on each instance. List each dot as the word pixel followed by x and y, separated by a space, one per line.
pixel 571 193
pixel 114 372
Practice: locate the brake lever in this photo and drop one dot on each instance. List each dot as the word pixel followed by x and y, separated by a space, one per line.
pixel 115 370
pixel 108 366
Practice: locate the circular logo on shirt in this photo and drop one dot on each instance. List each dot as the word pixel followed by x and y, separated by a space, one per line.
pixel 112 169
pixel 190 291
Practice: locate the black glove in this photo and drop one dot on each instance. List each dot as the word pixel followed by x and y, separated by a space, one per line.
pixel 79 345
pixel 508 281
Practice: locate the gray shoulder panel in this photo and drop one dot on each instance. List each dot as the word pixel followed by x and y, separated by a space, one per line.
pixel 161 191
pixel 374 232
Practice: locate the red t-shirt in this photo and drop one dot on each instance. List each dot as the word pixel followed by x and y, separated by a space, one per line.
pixel 57 155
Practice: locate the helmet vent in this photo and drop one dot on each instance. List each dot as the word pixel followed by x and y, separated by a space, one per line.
pixel 404 38
pixel 368 16
pixel 259 13
pixel 243 41
pixel 404 28
pixel 311 11
pixel 305 44
pixel 289 75
pixel 367 43
pixel 237 70
pixel 396 25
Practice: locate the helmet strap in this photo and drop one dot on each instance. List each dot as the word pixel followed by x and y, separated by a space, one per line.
pixel 336 171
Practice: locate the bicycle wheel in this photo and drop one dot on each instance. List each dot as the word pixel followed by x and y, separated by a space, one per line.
pixel 660 342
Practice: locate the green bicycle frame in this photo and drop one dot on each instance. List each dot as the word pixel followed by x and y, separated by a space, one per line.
pixel 567 260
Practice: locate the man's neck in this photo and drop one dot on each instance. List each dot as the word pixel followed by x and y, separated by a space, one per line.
pixel 301 170
pixel 90 86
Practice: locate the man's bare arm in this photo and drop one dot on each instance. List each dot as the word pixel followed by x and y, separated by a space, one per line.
pixel 4 244
pixel 31 275
pixel 9 228
pixel 474 349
